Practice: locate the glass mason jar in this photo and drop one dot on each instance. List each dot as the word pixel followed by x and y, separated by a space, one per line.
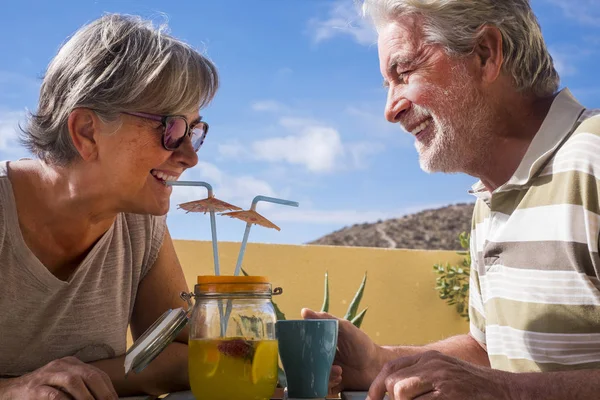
pixel 233 353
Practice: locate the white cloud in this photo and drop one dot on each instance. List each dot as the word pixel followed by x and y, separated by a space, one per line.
pixel 371 119
pixel 567 56
pixel 311 144
pixel 9 133
pixel 563 63
pixel 582 11
pixel 343 19
pixel 268 105
pixel 340 217
pixel 207 171
pixel 237 190
pixel 243 189
pixel 232 149
pixel 297 122
pixel 344 217
pixel 240 190
pixel 361 151
pixel 315 147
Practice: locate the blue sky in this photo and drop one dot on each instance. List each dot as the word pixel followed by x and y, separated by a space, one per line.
pixel 300 110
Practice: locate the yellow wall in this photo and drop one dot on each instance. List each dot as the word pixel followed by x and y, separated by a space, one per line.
pixel 403 305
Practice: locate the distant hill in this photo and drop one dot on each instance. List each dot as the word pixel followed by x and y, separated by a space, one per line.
pixel 430 229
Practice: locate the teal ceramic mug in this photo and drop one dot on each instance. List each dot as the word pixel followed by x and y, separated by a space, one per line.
pixel 307 348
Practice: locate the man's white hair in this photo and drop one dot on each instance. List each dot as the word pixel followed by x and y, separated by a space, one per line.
pixel 117 63
pixel 456 25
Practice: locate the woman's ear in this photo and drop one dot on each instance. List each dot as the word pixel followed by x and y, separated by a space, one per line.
pixel 84 127
pixel 489 53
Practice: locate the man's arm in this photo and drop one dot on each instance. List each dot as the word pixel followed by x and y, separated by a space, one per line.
pixel 572 385
pixel 463 347
pixel 158 292
pixel 431 374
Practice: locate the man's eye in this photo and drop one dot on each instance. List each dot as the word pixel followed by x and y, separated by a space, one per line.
pixel 403 76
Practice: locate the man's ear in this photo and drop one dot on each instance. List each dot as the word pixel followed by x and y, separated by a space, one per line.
pixel 489 53
pixel 84 127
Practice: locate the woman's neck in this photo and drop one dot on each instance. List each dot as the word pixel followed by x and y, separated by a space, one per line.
pixel 60 216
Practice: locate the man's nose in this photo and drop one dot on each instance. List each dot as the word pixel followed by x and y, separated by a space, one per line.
pixel 395 106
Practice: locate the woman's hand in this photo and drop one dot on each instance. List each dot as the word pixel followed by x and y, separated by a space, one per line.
pixel 63 379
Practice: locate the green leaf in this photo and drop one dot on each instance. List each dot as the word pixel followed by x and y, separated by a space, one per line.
pixel 452 281
pixel 280 315
pixel 325 306
pixel 464 240
pixel 358 320
pixel 353 308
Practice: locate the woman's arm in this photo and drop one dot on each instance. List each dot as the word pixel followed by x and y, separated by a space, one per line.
pixel 158 292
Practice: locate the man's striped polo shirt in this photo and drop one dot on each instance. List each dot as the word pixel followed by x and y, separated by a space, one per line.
pixel 534 291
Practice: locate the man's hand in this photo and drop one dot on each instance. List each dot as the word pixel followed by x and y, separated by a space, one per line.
pixel 63 379
pixel 356 362
pixel 432 375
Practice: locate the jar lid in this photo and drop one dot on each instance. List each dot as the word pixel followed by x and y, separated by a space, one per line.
pixel 209 279
pixel 238 286
pixel 155 340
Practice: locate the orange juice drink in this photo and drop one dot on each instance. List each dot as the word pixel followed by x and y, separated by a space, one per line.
pixel 233 368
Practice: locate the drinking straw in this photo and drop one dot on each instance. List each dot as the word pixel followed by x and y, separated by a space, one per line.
pixel 210 204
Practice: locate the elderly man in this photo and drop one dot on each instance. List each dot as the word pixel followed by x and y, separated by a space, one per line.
pixel 473 81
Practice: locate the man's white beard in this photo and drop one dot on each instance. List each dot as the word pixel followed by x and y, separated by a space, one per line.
pixel 462 130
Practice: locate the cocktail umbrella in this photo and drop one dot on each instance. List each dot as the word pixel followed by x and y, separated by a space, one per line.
pixel 211 205
pixel 251 217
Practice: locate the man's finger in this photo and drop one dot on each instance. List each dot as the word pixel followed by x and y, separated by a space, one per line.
pixel 400 388
pixel 394 368
pixel 71 384
pixel 307 313
pixel 49 392
pixel 336 370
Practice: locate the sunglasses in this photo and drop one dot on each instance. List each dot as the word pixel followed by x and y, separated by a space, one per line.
pixel 176 128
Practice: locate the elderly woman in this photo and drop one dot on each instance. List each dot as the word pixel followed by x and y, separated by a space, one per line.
pixel 84 248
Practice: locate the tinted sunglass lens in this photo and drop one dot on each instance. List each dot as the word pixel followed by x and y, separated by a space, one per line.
pixel 198 136
pixel 174 132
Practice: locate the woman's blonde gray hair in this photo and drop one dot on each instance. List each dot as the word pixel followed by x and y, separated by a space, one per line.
pixel 456 25
pixel 117 63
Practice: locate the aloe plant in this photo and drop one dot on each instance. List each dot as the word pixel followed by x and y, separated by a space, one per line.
pixel 325 306
pixel 351 314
